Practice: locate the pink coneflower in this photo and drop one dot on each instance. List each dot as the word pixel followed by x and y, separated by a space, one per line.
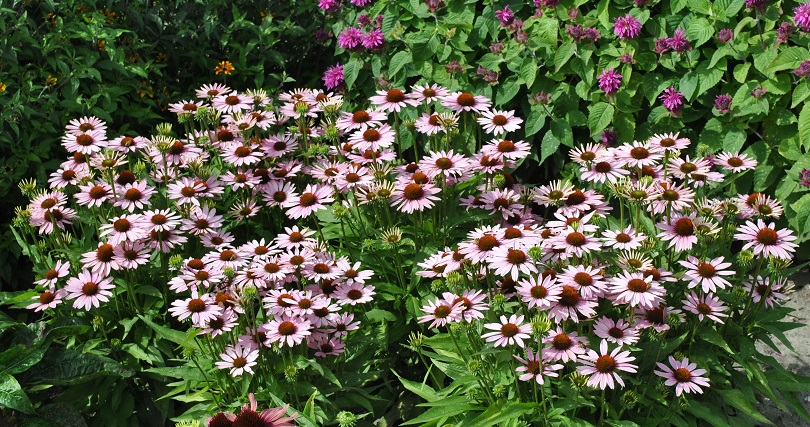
pixel 707 274
pixel 589 281
pixel 287 330
pixel 165 240
pixel 220 324
pixel 360 120
pixel 134 196
pixel 673 100
pixel 373 139
pixel 322 268
pixel 533 368
pixel 88 142
pixel 414 197
pixel 683 375
pixel 610 81
pixel 679 232
pixel 580 202
pixel 232 103
pixel 625 239
pixel 279 145
pixel 428 93
pixel 295 237
pixel 212 90
pixel 430 124
pixel 764 240
pixel 765 206
pixel 392 100
pixel 202 220
pixel 542 293
pixel 64 177
pixel 131 255
pixel 237 154
pixel 93 194
pixel 49 279
pixel 186 107
pixel 554 193
pixel 735 162
pixel 312 199
pixel 101 260
pixel 656 317
pixel 618 332
pixel 603 170
pixel 89 289
pixel 706 305
pixel 499 122
pixel 471 302
pixel 352 272
pixel 683 168
pixel 604 367
pixel 445 163
pixel 86 124
pixel 482 241
pixel 49 298
pixel 572 305
pixel 584 155
pixel 670 142
pixel 675 197
pixel 238 359
pixel 278 192
pixel 124 228
pixel 638 154
pixel 354 293
pixel 507 149
pixel 327 346
pixel 626 27
pixel 440 312
pixel 574 242
pixel 200 308
pixel 562 346
pixel 636 290
pixel 273 417
pixel 765 287
pixel 465 101
pixel 511 260
pixel 508 332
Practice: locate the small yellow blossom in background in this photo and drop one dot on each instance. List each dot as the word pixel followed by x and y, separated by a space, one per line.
pixel 50 80
pixel 2 87
pixel 224 67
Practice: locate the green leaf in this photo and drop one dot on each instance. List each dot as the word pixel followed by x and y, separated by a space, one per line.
pixel 422 390
pixel 65 367
pixel 599 117
pixel 377 315
pixel 699 30
pixel 507 91
pixel 177 337
pixel 737 399
pixel 688 84
pixel 442 410
pixel 804 127
pixel 713 337
pixel 734 140
pixel 763 59
pixel 350 71
pixel 701 411
pixel 741 72
pixel 500 413
pixel 789 58
pixel 549 146
pixel 563 54
pixel 397 62
pixel 528 71
pixel 535 120
pixel 800 93
pixel 603 13
pixel 12 395
pixel 19 358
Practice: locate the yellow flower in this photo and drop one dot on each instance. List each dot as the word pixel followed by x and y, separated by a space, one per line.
pixel 50 80
pixel 224 67
pixel 2 87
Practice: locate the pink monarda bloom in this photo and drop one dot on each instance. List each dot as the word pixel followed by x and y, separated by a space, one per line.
pixel 49 279
pixel 801 16
pixel 618 332
pixel 610 81
pixel 532 367
pixel 89 289
pixel 238 359
pixel 672 99
pixel 360 120
pixel 465 101
pixel 288 331
pixel 735 162
pixel 626 27
pixel 440 313
pixel 604 367
pixel 428 93
pixel 679 232
pixel 707 274
pixel 683 375
pixel 538 292
pixel 414 197
pixel 765 241
pixel 392 100
pixel 497 122
pixel 636 290
pixel 49 298
pixel 312 199
pixel 509 332
pixel 706 305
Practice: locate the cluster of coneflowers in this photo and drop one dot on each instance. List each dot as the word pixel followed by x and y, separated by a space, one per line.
pixel 299 164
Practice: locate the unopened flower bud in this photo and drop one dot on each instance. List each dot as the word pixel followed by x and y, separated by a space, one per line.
pixel 629 399
pixel 115 343
pixel 499 391
pixel 777 266
pixel 536 252
pixel 331 132
pixel 164 129
pixel 745 257
pixel 175 261
pixel 192 423
pixel 228 272
pixel 437 286
pixel 474 365
pixel 97 321
pixel 540 324
pixel 346 419
pixel 578 380
pixel 28 187
pixel 249 292
pixel 415 339
pixel 290 372
pixel 498 301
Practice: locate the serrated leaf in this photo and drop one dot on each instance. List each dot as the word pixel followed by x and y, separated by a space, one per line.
pixel 535 120
pixel 741 72
pixel 548 146
pixel 397 62
pixel 734 140
pixel 563 54
pixel 350 72
pixel 789 58
pixel 599 117
pixel 528 71
pixel 699 30
pixel 688 84
pixel 603 13
pixel 800 93
pixel 507 91
pixel 763 59
pixel 804 127
pixel 12 395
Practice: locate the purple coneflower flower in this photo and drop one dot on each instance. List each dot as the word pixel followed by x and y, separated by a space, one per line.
pixel 683 375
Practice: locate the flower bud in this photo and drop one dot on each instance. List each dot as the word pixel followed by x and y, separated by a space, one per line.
pixel 346 419
pixel 290 372
pixel 164 129
pixel 437 286
pixel 175 261
pixel 415 339
pixel 745 258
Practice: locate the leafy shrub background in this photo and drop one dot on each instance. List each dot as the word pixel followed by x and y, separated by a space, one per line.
pixel 774 128
pixel 123 62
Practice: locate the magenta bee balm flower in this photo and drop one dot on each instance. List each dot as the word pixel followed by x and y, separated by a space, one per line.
pixel 673 100
pixel 627 27
pixel 610 81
